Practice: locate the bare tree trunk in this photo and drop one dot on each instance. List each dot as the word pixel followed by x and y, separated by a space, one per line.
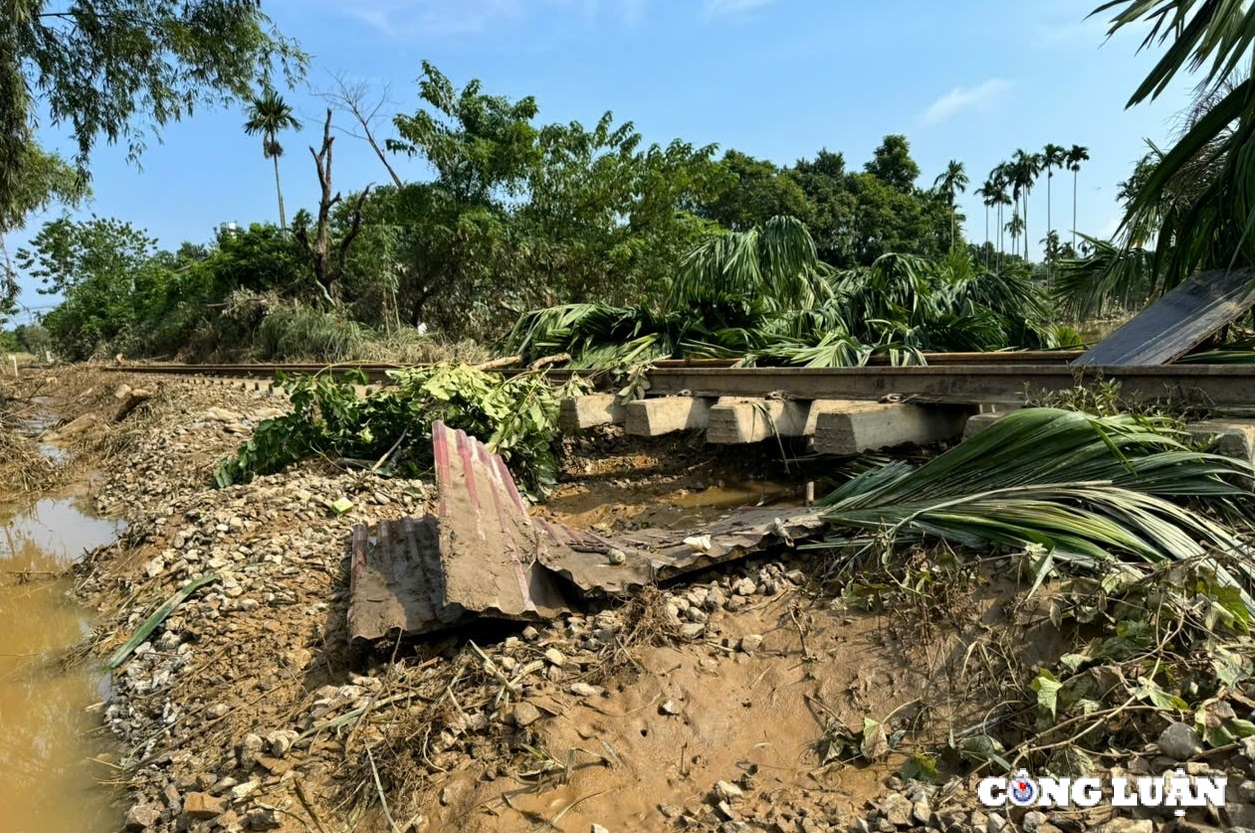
pixel 8 278
pixel 1074 178
pixel 328 266
pixel 283 220
pixel 1050 177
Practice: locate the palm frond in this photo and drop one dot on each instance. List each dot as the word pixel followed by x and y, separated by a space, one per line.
pixel 1084 487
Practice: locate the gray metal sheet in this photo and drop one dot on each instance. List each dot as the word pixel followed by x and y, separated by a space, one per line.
pixel 1176 323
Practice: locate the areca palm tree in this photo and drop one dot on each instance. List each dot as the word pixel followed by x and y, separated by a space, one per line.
pixel 1025 168
pixel 1075 156
pixel 775 263
pixel 999 180
pixel 1016 227
pixel 949 183
pixel 268 114
pixel 986 194
pixel 1052 156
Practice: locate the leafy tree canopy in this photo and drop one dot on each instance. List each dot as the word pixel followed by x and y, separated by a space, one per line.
pixel 757 191
pixel 122 69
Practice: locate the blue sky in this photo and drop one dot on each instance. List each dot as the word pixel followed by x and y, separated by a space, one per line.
pixel 965 79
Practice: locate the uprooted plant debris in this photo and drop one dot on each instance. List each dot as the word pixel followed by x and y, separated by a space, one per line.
pixel 1064 594
pixel 389 430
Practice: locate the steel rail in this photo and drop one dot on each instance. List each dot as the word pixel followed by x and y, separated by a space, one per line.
pixel 998 380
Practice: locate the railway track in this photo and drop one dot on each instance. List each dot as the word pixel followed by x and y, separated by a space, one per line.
pixel 959 378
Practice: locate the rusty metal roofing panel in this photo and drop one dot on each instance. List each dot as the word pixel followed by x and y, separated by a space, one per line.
pixel 733 537
pixel 489 547
pixel 1176 323
pixel 394 580
pixel 483 555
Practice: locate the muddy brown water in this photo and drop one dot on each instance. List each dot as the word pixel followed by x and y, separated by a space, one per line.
pixel 51 747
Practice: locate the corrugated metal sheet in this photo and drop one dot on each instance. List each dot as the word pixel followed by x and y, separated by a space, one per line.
pixel 484 555
pixel 489 548
pixel 1176 323
pixel 394 585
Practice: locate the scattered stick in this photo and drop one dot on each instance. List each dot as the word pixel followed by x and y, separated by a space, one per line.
pixel 392 825
pixel 556 358
pixel 495 364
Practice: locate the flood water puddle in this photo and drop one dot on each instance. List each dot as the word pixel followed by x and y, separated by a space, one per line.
pixel 48 739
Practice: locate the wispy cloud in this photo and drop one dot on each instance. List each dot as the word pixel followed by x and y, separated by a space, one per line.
pixel 965 98
pixel 732 7
pixel 444 18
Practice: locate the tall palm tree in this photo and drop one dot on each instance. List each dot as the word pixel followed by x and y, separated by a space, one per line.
pixel 952 181
pixel 1075 156
pixel 1016 227
pixel 986 194
pixel 1212 224
pixel 1052 156
pixel 268 114
pixel 1000 177
pixel 1025 168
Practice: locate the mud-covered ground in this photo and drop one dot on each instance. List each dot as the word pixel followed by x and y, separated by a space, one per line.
pixel 722 703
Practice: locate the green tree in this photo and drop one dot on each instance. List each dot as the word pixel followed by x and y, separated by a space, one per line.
pixel 986 194
pixel 1205 176
pixel 892 163
pixel 824 180
pixel 268 115
pixel 1053 156
pixel 42 179
pixel 950 183
pixel 1025 168
pixel 608 219
pixel 775 265
pixel 103 269
pixel 1075 156
pixel 1016 227
pixel 480 146
pixel 757 190
pixel 458 253
pixel 32 338
pixel 122 69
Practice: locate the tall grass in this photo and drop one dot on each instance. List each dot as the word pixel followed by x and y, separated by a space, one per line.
pixel 301 332
pixel 295 332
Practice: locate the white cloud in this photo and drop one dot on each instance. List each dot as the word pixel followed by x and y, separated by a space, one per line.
pixel 731 7
pixel 965 98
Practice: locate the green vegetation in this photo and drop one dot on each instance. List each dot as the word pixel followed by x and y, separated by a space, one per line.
pixel 1080 487
pixel 763 297
pixel 663 246
pixel 162 59
pixel 389 431
pixel 558 237
pixel 1192 201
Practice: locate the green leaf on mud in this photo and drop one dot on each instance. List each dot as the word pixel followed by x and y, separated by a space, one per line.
pixel 874 745
pixel 1047 687
pixel 1149 691
pixel 984 749
pixel 920 767
pixel 1073 662
pixel 1231 668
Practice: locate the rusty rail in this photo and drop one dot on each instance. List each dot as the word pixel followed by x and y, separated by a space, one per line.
pixel 1005 378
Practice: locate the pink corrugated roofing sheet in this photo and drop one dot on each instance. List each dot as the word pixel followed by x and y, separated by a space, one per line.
pixel 484 555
